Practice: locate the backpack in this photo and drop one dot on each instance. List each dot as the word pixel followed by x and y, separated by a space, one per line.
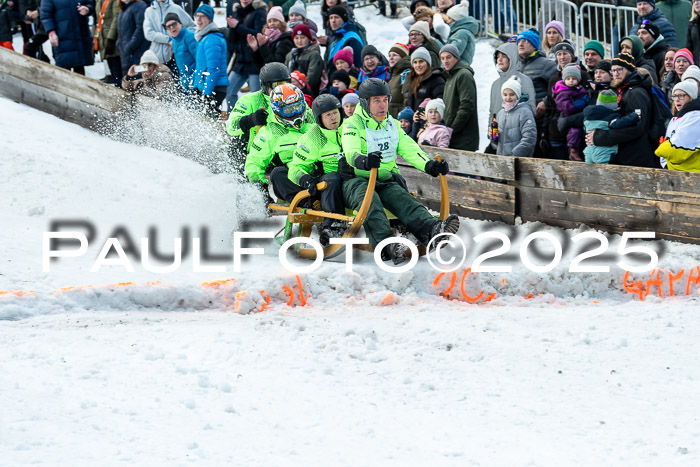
pixel 660 115
pixel 362 32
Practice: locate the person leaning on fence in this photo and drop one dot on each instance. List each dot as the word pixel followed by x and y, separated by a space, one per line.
pixel 399 65
pixel 460 99
pixel 184 50
pixel 693 35
pixel 677 13
pixel 634 46
pixel 635 147
pixel 516 133
pixel 209 78
pixel 647 11
pixel 655 46
pixel 681 148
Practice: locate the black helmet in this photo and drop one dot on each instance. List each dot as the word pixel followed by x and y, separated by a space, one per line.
pixel 325 103
pixel 273 74
pixel 373 87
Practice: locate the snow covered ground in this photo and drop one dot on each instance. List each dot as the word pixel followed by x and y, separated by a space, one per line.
pixel 144 368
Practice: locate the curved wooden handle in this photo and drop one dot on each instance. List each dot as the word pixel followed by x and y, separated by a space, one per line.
pixel 444 194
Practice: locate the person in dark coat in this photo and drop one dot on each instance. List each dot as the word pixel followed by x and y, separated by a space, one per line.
pixel 460 100
pixel 634 90
pixel 647 11
pixel 305 57
pixel 399 65
pixel 655 46
pixel 423 81
pixel 243 18
pixel 36 33
pixel 344 34
pixel 693 37
pixel 106 37
pixel 274 43
pixel 130 39
pixel 66 23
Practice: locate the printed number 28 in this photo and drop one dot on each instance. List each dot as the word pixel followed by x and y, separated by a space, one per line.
pixel 383 146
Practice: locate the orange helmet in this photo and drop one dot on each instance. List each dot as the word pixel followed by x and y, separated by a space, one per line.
pixel 288 105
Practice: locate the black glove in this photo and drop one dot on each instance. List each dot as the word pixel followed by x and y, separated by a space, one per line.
pixel 110 45
pixel 371 161
pixel 436 168
pixel 259 117
pixel 545 147
pixel 309 184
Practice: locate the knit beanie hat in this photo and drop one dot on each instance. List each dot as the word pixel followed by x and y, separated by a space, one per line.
pixel 302 30
pixel 170 17
pixel 276 13
pixel 369 49
pixel 689 87
pixel 340 11
pixel 651 28
pixel 684 53
pixel 532 36
pixel 608 98
pixel 450 48
pixel 558 25
pixel 298 8
pixel 458 12
pixel 571 70
pixel 149 57
pixel 692 72
pixel 406 114
pixel 636 44
pixel 351 98
pixel 564 46
pixel 342 76
pixel 206 10
pixel 401 49
pixel 514 85
pixel 422 27
pixel 604 65
pixel 344 55
pixel 299 76
pixel 596 47
pixel 625 61
pixel 422 52
pixel 650 2
pixel 438 104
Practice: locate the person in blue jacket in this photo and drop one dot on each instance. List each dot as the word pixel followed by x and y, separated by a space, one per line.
pixel 130 39
pixel 184 49
pixel 210 78
pixel 66 23
pixel 344 34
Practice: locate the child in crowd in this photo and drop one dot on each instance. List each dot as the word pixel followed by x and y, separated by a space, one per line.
pixel 570 98
pixel 350 101
pixel 604 116
pixel 299 80
pixel 340 84
pixel 406 119
pixel 343 61
pixel 435 133
pixel 516 133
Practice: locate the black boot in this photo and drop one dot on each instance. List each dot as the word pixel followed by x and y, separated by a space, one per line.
pixel 449 225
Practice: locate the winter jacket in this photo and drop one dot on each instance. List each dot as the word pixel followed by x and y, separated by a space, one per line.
pixel 693 39
pixel 109 26
pixel 511 51
pixel 539 70
pixel 275 51
pixel 354 141
pixel 381 72
pixel 635 148
pixel 185 51
pixel 274 144
pixel 5 21
pixel 251 21
pixel 517 131
pixel 570 101
pixel 75 44
pixel 324 15
pixel 655 53
pixel 552 113
pixel 459 96
pixel 153 30
pixel 660 20
pixel 432 87
pixel 307 60
pixel 130 39
pixel 395 83
pixel 210 67
pixel 600 117
pixel 682 146
pixel 345 36
pixel 436 135
pixel 433 47
pixel 668 84
pixel 32 5
pixel 157 84
pixel 677 12
pixel 462 35
pixel 318 152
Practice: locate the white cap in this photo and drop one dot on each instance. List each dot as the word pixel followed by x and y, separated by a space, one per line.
pixel 438 104
pixel 149 57
pixel 514 85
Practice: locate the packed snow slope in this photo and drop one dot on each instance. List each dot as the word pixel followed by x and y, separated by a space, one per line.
pixel 139 367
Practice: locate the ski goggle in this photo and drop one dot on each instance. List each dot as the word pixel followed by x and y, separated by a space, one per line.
pixel 292 110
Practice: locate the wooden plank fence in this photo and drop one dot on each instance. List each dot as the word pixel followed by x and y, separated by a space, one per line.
pixel 560 193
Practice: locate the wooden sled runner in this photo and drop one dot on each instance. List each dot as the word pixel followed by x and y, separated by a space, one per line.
pixel 306 218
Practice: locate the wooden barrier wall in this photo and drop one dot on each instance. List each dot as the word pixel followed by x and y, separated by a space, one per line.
pixel 560 193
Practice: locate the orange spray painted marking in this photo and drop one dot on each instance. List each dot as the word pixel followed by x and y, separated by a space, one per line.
pixel 290 293
pixel 267 301
pixel 453 281
pixel 302 298
pixel 466 296
pixel 672 279
pixel 657 282
pixel 691 278
pixel 633 288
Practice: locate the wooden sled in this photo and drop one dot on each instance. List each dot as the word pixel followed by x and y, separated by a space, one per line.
pixel 306 218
